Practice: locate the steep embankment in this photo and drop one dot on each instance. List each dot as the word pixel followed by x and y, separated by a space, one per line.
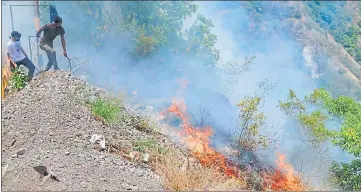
pixel 51 120
pixel 328 60
pixel 43 124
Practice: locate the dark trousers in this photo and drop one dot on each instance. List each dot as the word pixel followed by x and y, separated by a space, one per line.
pixel 28 64
pixel 51 57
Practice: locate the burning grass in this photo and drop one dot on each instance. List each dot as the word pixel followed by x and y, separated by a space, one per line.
pixel 179 171
pixel 284 177
pixel 198 142
pixel 201 167
pixel 180 175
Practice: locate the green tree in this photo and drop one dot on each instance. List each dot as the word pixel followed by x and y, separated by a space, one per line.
pixel 154 24
pixel 201 41
pixel 347 176
pixel 348 137
pixel 251 120
pixel 314 121
pixel 349 112
pixel 150 26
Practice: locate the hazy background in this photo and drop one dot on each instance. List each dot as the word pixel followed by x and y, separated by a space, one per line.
pixel 279 60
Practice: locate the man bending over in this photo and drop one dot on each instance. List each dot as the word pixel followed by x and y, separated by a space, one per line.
pixel 51 31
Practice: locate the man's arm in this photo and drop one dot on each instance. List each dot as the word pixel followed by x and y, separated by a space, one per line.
pixel 41 29
pixel 63 44
pixel 11 61
pixel 8 52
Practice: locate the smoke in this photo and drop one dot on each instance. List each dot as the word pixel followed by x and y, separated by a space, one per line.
pixel 22 21
pixel 279 60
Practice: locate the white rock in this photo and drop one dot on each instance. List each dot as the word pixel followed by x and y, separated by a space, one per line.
pixel 146 158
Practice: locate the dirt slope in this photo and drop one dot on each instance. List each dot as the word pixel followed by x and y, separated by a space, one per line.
pixel 53 129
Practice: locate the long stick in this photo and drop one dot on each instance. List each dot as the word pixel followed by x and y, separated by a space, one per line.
pixel 69 63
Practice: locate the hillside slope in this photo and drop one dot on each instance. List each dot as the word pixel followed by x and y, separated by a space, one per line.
pixel 54 129
pixel 325 58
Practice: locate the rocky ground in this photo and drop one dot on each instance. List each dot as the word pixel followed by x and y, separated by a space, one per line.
pixel 46 124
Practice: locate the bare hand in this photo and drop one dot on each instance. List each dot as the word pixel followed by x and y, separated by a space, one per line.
pixel 65 54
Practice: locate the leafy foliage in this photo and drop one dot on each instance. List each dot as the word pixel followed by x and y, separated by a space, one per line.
pixel 345 108
pixel 18 80
pixel 150 26
pixel 250 120
pixel 333 17
pixel 106 109
pixel 313 121
pixel 347 176
pixel 348 111
pixel 201 41
pixel 145 145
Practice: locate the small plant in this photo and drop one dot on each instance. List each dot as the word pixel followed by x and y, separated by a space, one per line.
pixel 18 80
pixel 148 144
pixel 138 122
pixel 108 110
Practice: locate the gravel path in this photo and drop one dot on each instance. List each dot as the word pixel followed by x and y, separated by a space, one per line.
pixel 44 125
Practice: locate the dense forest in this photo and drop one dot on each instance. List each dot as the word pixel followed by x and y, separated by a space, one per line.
pixel 156 27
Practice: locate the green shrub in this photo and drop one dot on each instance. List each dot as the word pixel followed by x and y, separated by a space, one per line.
pixel 108 110
pixel 145 145
pixel 18 80
pixel 346 176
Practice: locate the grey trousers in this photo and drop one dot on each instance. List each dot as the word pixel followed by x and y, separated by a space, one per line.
pixel 51 57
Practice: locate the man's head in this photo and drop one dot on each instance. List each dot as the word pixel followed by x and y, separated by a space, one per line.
pixel 58 21
pixel 15 36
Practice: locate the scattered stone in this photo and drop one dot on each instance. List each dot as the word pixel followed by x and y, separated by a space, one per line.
pixel 58 113
pixel 133 154
pixel 20 152
pixel 98 139
pixel 146 158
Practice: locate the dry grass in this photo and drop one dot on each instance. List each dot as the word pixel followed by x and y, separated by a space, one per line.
pixel 180 171
pixel 180 175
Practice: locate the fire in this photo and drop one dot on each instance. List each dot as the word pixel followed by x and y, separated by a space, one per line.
pixel 197 141
pixel 285 178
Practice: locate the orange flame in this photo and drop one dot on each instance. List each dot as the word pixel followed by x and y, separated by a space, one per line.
pixel 197 141
pixel 285 178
